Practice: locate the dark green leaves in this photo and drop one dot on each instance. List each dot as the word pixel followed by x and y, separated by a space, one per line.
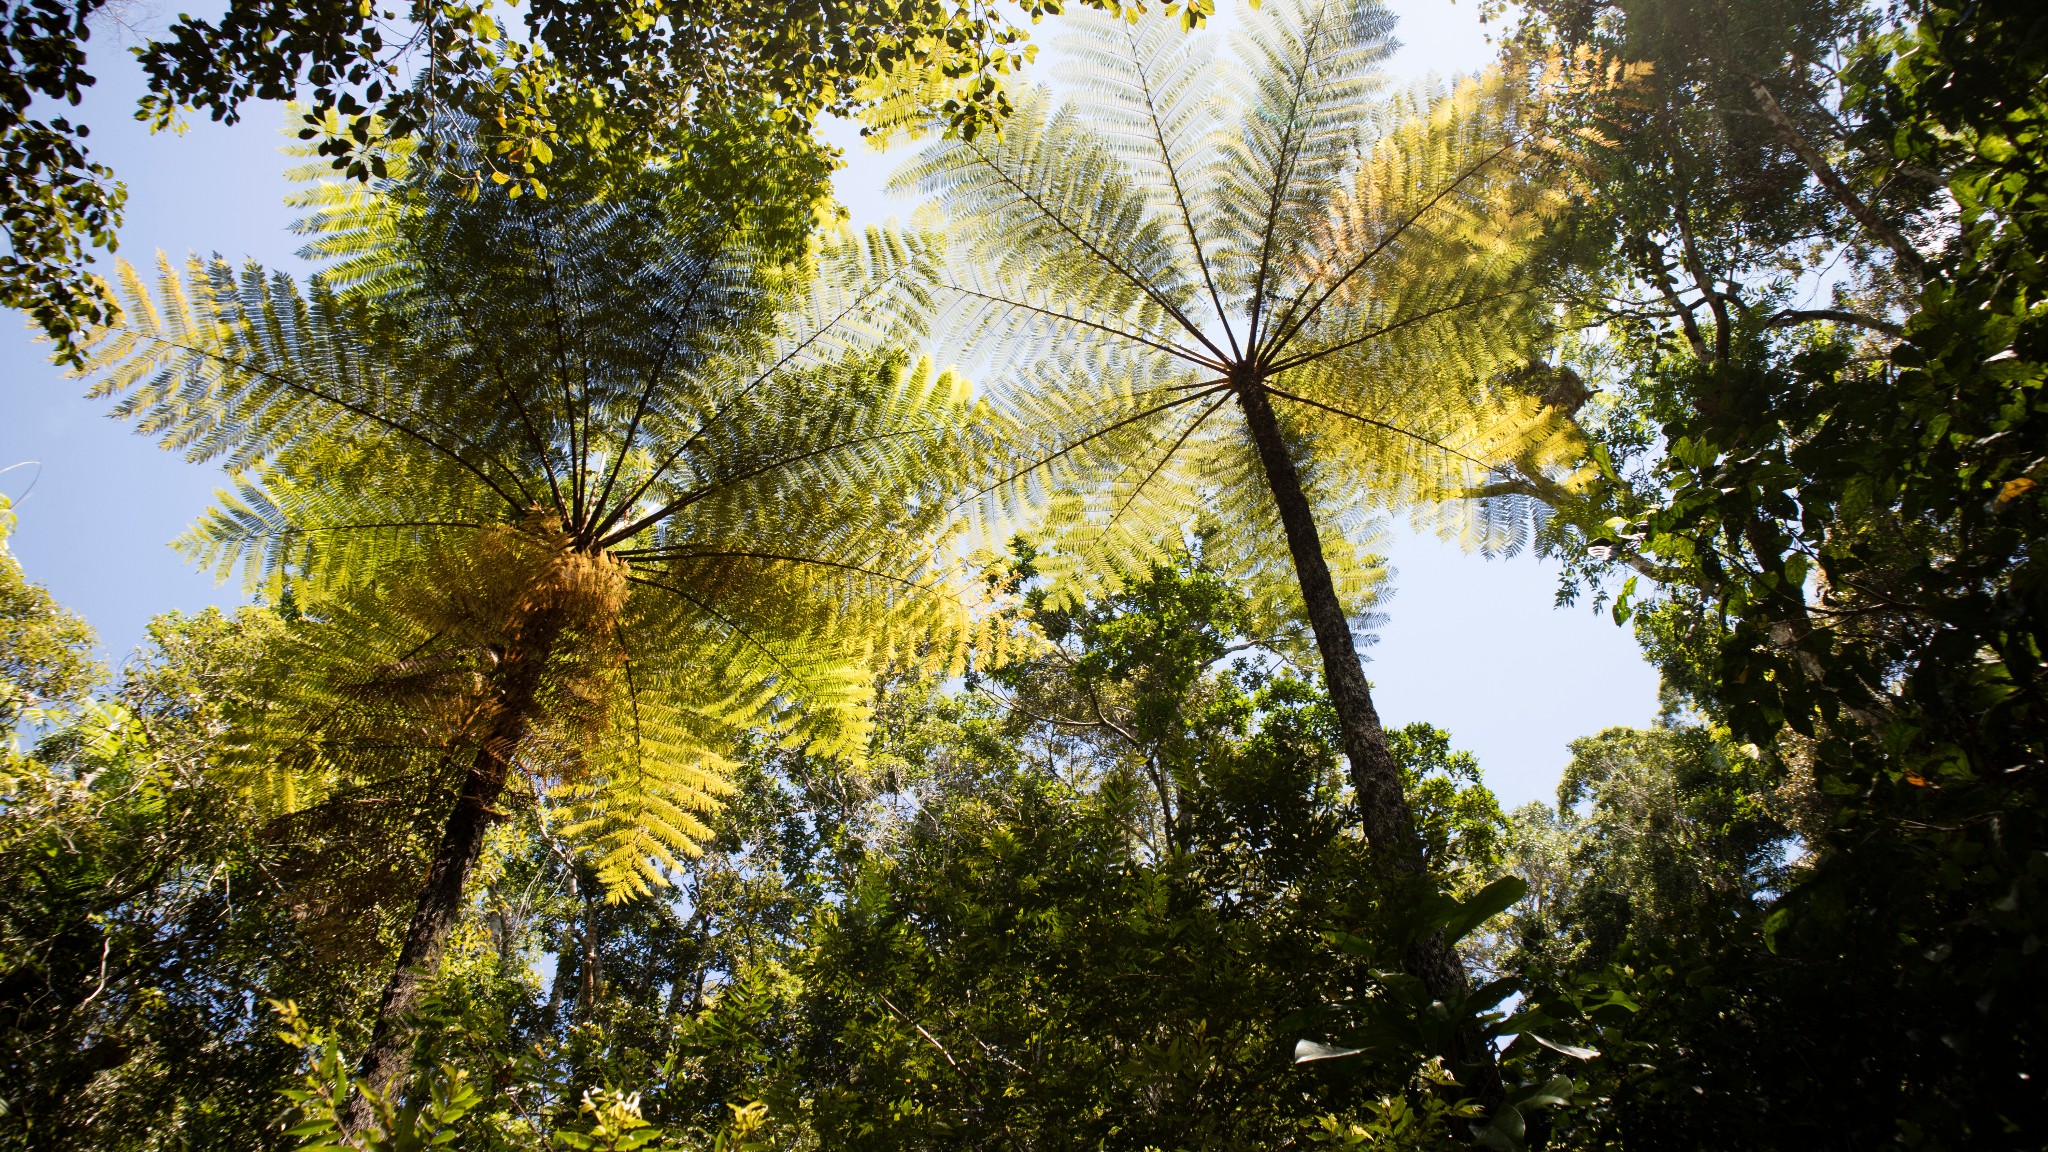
pixel 55 203
pixel 1462 918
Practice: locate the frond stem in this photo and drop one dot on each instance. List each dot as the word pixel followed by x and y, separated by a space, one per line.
pixel 1389 329
pixel 1094 250
pixel 1289 327
pixel 703 490
pixel 1066 449
pixel 640 555
pixel 1381 424
pixel 356 409
pixel 656 473
pixel 1223 396
pixel 1056 314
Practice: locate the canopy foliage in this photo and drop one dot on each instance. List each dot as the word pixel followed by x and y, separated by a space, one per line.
pixel 676 713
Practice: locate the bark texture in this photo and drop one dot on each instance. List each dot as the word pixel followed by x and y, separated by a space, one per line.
pixel 521 666
pixel 1375 774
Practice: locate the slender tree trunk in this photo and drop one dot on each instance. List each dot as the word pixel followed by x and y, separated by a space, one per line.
pixel 590 978
pixel 565 964
pixel 1375 774
pixel 462 842
pixel 1873 223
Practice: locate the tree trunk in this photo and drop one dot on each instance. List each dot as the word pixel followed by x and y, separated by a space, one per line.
pixel 590 978
pixel 462 842
pixel 1767 103
pixel 1375 774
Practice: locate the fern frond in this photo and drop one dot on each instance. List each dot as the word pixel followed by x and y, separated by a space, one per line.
pixel 1197 223
pixel 576 419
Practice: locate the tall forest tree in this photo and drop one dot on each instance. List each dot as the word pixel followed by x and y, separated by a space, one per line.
pixel 1815 271
pixel 1244 288
pixel 563 493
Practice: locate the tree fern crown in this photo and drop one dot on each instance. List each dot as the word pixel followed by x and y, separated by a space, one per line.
pixel 712 475
pixel 1197 222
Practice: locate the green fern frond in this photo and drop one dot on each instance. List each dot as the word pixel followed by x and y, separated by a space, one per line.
pixel 503 433
pixel 1197 222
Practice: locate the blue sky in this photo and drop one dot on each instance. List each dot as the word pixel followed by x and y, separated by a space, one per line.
pixel 1471 645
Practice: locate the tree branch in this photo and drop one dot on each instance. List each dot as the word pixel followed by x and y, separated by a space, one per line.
pixel 1907 257
pixel 1791 316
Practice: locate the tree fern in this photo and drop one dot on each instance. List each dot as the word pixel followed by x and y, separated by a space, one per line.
pixel 1245 288
pixel 565 493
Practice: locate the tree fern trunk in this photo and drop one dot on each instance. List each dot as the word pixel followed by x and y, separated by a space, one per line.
pixel 1375 774
pixel 462 843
